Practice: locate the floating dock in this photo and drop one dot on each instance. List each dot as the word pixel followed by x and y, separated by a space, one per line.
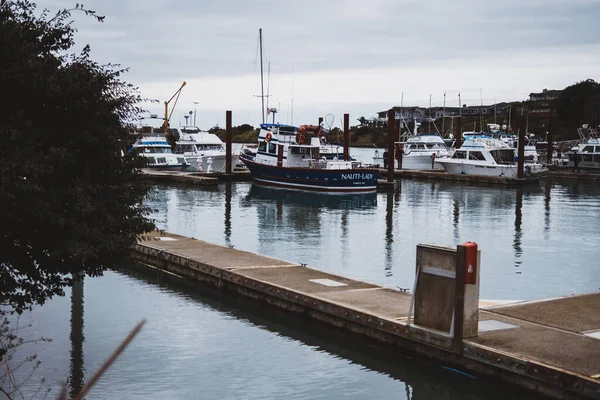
pixel 549 347
pixel 197 178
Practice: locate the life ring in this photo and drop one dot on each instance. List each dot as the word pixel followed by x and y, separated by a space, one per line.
pixel 300 138
pixel 268 136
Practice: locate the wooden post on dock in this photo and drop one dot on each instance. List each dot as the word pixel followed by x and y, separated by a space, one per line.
pixel 346 137
pixel 521 150
pixel 458 142
pixel 550 141
pixel 391 134
pixel 228 138
pixel 320 120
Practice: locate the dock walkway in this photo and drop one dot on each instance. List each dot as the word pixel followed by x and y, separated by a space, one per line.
pixel 550 347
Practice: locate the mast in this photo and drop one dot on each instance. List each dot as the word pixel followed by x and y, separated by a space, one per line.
pixel 262 86
pixel 429 129
pixel 401 117
pixel 444 115
pixel 481 111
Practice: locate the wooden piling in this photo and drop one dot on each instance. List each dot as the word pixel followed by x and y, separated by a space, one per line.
pixel 390 147
pixel 346 137
pixel 320 120
pixel 458 142
pixel 228 139
pixel 521 150
pixel 549 139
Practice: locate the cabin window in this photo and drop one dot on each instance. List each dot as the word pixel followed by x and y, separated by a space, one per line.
pixel 294 150
pixel 272 148
pixel 476 155
pixel 588 149
pixel 262 146
pixel 460 154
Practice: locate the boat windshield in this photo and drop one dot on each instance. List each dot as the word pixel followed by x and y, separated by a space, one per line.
pixel 209 147
pixel 149 150
pixel 505 156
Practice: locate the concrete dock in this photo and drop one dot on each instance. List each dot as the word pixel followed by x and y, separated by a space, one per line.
pixel 549 347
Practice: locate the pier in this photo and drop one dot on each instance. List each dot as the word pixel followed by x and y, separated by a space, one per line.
pixel 549 347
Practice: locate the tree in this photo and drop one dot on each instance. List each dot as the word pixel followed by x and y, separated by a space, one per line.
pixel 362 120
pixel 578 104
pixel 71 203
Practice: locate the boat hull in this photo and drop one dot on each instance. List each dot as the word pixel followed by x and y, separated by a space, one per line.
pixel 418 162
pixel 508 171
pixel 208 164
pixel 322 180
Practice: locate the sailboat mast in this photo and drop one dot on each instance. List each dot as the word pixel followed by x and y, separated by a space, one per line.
pixel 444 115
pixel 429 129
pixel 262 86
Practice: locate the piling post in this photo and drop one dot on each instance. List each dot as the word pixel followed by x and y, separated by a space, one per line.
pixel 550 141
pixel 320 120
pixel 228 138
pixel 521 150
pixel 391 134
pixel 458 142
pixel 346 137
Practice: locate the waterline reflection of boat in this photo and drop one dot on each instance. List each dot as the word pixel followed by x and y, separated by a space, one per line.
pixel 354 201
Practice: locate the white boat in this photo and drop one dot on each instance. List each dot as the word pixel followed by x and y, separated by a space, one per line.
pixel 487 156
pixel 419 151
pixel 158 152
pixel 204 151
pixel 588 148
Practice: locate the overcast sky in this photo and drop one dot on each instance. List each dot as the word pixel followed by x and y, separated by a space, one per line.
pixel 337 56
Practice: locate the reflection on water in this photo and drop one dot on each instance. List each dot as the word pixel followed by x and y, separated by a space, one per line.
pixel 75 381
pixel 518 222
pixel 533 230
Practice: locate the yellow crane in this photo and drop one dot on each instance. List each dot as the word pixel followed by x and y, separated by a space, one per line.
pixel 167 115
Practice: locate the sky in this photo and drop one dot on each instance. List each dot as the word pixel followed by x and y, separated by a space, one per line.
pixel 330 57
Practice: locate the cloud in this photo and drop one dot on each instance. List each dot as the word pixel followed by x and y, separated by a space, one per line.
pixel 343 54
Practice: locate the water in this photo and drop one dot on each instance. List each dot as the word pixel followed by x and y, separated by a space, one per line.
pixel 537 242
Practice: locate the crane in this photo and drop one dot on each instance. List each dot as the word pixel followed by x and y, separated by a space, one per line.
pixel 167 115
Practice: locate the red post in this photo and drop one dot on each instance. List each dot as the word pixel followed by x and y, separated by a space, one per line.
pixel 391 134
pixel 228 138
pixel 346 137
pixel 280 155
pixel 521 150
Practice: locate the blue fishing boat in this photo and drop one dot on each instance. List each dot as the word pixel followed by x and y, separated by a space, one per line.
pixel 286 157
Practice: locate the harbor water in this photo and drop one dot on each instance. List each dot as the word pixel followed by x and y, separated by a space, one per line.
pixel 539 241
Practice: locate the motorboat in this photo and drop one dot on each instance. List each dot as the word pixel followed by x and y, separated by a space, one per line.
pixel 487 156
pixel 158 153
pixel 419 152
pixel 287 157
pixel 588 148
pixel 204 151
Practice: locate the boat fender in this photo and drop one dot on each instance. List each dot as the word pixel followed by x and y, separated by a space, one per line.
pixel 300 138
pixel 268 136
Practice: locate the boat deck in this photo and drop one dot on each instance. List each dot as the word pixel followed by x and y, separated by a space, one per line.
pixel 551 347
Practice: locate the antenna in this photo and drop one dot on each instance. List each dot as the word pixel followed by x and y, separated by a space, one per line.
pixel 262 86
pixel 481 111
pixel 444 115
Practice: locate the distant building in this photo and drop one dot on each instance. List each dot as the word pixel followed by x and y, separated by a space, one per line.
pixel 540 103
pixel 494 109
pixel 544 95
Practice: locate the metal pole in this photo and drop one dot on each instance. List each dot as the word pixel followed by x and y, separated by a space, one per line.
pixel 262 87
pixel 521 151
pixel 228 137
pixel 346 137
pixel 390 147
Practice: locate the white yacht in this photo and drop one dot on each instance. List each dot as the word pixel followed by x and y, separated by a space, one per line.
pixel 487 156
pixel 204 151
pixel 419 151
pixel 158 152
pixel 588 148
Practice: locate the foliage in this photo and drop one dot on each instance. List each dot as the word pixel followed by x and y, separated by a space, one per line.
pixel 578 104
pixel 71 201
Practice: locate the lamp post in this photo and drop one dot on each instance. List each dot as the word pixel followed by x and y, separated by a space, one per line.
pixel 195 104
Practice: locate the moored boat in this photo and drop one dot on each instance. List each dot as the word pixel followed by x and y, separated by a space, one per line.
pixel 158 153
pixel 288 158
pixel 204 151
pixel 486 156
